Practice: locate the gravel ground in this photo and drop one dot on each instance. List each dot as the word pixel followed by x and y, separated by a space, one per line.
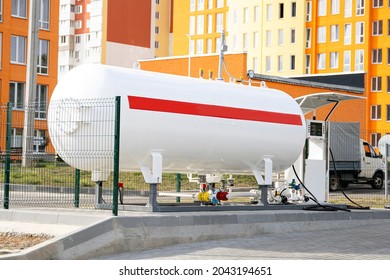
pixel 11 242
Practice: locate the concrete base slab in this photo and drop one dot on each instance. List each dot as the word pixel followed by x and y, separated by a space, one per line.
pixel 105 235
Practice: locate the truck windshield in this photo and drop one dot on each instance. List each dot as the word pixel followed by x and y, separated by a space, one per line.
pixel 369 150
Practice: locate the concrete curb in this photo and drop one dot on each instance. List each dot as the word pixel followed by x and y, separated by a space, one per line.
pixel 116 235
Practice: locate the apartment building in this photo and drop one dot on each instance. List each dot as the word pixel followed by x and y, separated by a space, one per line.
pixel 197 26
pixel 14 22
pixel 113 32
pixel 353 36
pixel 270 32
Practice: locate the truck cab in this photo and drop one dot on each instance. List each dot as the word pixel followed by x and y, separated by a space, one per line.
pixel 370 170
pixel 372 165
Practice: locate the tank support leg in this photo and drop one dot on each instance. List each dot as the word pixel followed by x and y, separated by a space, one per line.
pixel 266 181
pixel 98 192
pixel 152 203
pixel 153 176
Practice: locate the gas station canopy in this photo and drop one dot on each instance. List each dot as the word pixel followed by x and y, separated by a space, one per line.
pixel 311 102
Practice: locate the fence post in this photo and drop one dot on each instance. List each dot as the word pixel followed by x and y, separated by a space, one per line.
pixel 178 185
pixel 77 189
pixel 7 167
pixel 116 155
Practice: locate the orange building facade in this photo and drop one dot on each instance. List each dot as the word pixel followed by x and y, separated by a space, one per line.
pixel 14 22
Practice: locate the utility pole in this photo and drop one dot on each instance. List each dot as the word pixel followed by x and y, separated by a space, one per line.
pixel 31 83
pixel 221 55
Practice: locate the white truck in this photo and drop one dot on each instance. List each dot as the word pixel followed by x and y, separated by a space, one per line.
pixel 354 160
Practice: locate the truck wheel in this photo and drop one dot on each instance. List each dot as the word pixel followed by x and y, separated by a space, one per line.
pixel 377 181
pixel 333 183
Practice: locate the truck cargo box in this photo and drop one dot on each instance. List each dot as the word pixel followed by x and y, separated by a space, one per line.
pixel 344 142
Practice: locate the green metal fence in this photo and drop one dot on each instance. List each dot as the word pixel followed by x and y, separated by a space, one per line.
pixel 51 183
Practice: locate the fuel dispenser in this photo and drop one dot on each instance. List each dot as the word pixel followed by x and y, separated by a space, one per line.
pixel 315 164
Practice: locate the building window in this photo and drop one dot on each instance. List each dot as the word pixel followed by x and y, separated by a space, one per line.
pixel 235 16
pixel 19 8
pixel 78 24
pixel 377 3
pixel 245 41
pixel 220 3
pixel 192 5
pixel 375 137
pixel 280 63
pixel 334 33
pixel 387 112
pixel 77 39
pixel 376 84
pixel 321 60
pixel 388 55
pixel 199 46
pixel 376 56
pixel 292 36
pixel 388 84
pixel 44 14
pixel 307 64
pixel 41 102
pixel 359 33
pixel 321 34
pixel 16 95
pixel 18 49
pixel 16 137
pixel 210 4
pixel 347 61
pixel 347 34
pixel 268 38
pixel 334 60
pixel 321 7
pixel 292 62
pixel 235 42
pixel 256 14
pixel 1 10
pixel 359 60
pixel 348 8
pixel 157 30
pixel 200 5
pixel 192 25
pixel 280 36
pixel 308 11
pixel 281 10
pixel 256 39
pixel 377 28
pixel 156 44
pixel 200 25
pixel 63 40
pixel 267 63
pixel 293 9
pixel 308 37
pixel 39 142
pixel 335 7
pixel 359 7
pixel 219 23
pixel 376 112
pixel 256 64
pixel 209 45
pixel 269 12
pixel 43 55
pixel 209 23
pixel 245 18
pixel 79 9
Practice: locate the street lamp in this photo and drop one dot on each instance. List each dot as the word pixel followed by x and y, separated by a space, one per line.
pixel 189 54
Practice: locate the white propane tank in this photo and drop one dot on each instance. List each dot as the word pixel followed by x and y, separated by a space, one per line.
pixel 197 126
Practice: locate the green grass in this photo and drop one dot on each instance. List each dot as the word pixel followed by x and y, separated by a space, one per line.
pixel 61 175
